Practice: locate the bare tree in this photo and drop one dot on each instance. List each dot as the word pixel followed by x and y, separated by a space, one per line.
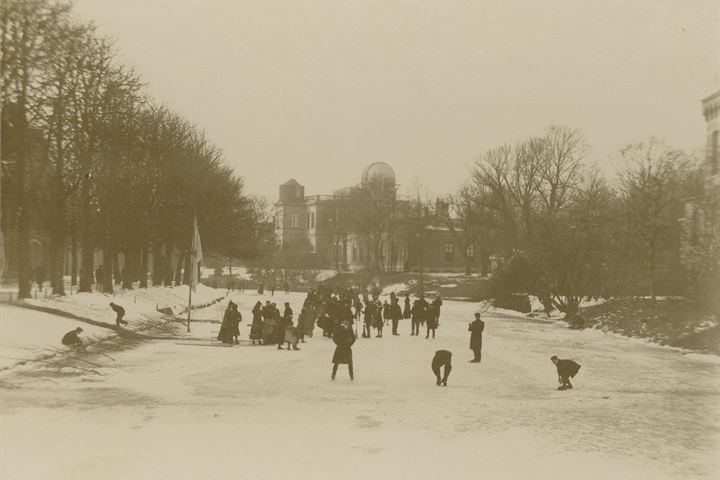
pixel 650 184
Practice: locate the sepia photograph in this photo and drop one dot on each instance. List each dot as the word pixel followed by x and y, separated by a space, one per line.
pixel 359 239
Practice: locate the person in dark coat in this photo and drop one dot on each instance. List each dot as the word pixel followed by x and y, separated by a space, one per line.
pixel 344 339
pixel 406 310
pixel 369 318
pixel 431 320
pixel 256 330
pixel 272 288
pixel 120 312
pixel 261 289
pixel 442 358
pixel 418 313
pixel 72 339
pixel 378 321
pixel 230 327
pixel 286 287
pixel 437 303
pixel 395 315
pixel 566 370
pixel 282 323
pixel 476 331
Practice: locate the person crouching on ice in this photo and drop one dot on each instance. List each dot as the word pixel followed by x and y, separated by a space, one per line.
pixel 443 359
pixel 344 338
pixel 566 370
pixel 72 340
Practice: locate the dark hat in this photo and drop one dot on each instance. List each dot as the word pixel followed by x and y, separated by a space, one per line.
pixel 554 357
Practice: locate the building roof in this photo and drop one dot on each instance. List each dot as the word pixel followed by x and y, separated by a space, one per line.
pixel 292 182
pixel 378 172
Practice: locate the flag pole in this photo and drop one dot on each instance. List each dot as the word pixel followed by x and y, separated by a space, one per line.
pixel 189 304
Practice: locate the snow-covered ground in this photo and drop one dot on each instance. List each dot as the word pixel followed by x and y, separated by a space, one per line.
pixel 183 410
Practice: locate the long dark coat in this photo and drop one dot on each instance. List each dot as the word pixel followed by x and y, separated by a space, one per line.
pixel 567 368
pixel 230 325
pixel 344 338
pixel 256 330
pixel 406 311
pixel 432 317
pixel 476 330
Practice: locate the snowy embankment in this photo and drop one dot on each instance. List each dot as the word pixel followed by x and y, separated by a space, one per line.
pixel 26 334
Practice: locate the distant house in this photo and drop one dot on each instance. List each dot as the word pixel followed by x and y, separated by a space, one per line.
pixel 364 226
pixel 700 233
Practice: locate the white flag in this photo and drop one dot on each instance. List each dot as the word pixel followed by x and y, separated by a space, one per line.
pixel 196 255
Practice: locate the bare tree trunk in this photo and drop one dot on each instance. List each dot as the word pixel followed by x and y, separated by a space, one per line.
pixel 87 264
pixel 58 266
pixel 179 268
pixel 127 271
pixel 117 272
pixel 74 259
pixel 144 266
pixel 108 267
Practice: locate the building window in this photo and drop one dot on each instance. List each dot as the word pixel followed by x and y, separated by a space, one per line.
pixel 308 220
pixel 293 220
pixel 715 153
pixel 449 252
pixel 312 220
pixel 470 251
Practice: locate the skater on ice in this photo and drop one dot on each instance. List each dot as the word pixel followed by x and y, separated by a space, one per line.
pixel 442 358
pixel 344 338
pixel 395 315
pixel 120 312
pixel 256 330
pixel 476 331
pixel 230 327
pixel 566 369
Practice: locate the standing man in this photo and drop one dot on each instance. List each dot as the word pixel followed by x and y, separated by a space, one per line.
pixel 566 370
pixel 344 338
pixel 437 303
pixel 120 311
pixel 418 313
pixel 476 331
pixel 395 315
pixel 442 358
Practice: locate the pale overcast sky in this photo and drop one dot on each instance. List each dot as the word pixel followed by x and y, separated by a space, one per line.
pixel 317 89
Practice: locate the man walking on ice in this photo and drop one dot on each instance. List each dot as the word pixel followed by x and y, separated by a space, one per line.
pixel 566 370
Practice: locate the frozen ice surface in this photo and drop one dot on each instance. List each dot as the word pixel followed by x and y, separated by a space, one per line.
pixel 164 410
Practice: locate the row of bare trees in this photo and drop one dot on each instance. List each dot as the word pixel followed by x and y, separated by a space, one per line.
pixel 566 231
pixel 92 160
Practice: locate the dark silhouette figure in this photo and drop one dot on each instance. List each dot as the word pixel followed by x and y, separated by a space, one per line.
pixel 120 311
pixel 71 339
pixel 566 370
pixel 476 331
pixel 442 358
pixel 344 338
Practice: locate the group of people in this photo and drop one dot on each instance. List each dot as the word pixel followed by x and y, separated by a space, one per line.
pixel 335 312
pixel 269 327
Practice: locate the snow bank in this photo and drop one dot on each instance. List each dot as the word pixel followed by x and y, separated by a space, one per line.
pixel 28 334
